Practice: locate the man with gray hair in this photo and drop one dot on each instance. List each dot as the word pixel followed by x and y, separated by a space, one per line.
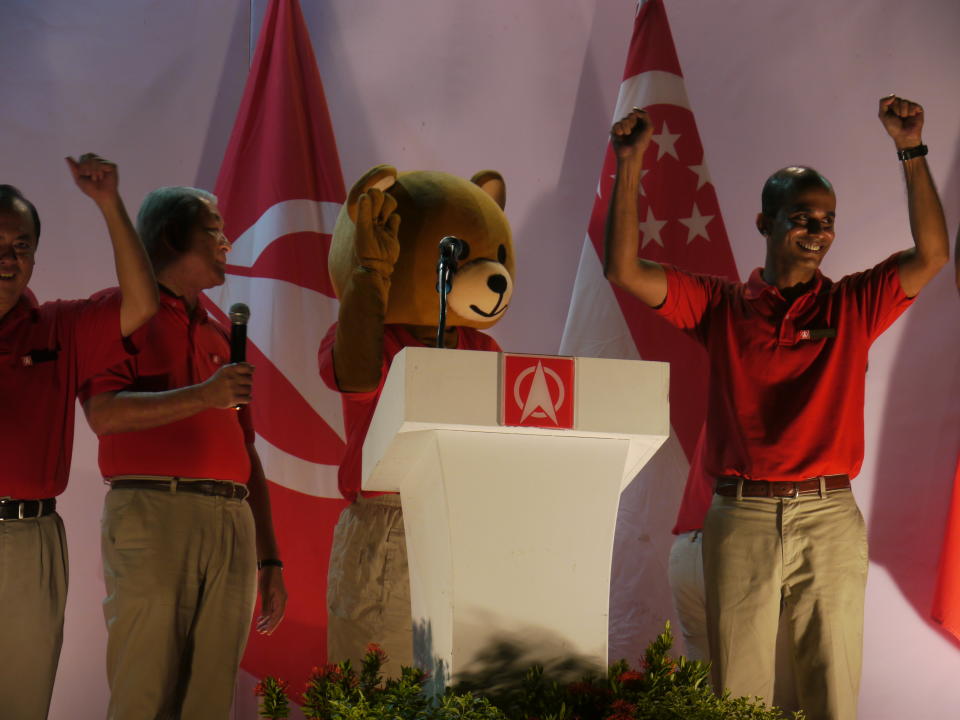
pixel 186 524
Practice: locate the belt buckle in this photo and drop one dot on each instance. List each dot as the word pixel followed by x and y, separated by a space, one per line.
pixel 795 493
pixel 20 506
pixel 20 514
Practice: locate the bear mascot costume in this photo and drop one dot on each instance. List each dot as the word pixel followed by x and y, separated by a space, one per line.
pixel 383 264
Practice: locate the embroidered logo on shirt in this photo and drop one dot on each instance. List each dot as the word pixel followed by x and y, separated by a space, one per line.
pixel 817 333
pixel 39 356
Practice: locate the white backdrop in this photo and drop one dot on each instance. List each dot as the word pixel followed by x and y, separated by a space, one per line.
pixel 527 87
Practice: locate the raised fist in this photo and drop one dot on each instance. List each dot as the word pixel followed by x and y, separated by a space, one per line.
pixel 631 135
pixel 902 119
pixel 96 177
pixel 377 245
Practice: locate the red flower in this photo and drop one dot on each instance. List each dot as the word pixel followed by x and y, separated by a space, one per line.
pixel 378 651
pixel 621 710
pixel 262 688
pixel 330 672
pixel 630 678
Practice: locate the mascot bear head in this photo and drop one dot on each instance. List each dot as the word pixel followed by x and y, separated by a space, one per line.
pixel 433 205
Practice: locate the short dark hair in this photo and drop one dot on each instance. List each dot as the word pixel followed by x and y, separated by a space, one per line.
pixel 9 195
pixel 785 182
pixel 166 217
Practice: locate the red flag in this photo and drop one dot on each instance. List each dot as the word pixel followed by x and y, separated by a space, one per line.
pixel 279 190
pixel 946 598
pixel 680 224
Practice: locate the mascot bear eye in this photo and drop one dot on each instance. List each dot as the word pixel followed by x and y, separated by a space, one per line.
pixel 501 254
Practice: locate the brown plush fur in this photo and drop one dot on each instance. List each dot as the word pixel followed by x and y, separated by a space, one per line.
pixel 398 285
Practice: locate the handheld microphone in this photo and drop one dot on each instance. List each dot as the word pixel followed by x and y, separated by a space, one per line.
pixel 239 314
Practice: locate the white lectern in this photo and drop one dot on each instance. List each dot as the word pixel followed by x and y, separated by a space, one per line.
pixel 509 529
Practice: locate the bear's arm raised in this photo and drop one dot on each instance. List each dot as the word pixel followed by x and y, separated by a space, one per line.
pixel 358 347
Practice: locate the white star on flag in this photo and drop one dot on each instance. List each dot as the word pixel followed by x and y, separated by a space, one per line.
pixel 703 175
pixel 539 396
pixel 651 228
pixel 666 142
pixel 613 177
pixel 603 322
pixel 697 224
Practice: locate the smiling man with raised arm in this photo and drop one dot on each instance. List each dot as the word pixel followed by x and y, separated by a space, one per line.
pixel 788 358
pixel 46 351
pixel 186 523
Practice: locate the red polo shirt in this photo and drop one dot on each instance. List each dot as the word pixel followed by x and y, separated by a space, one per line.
pixel 46 351
pixel 178 348
pixel 697 493
pixel 358 407
pixel 786 379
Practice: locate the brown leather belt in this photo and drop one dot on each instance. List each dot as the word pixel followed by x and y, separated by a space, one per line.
pixel 727 486
pixel 11 509
pixel 217 488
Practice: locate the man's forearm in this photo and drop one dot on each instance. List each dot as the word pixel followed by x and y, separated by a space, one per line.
pixel 138 287
pixel 644 279
pixel 259 500
pixel 927 225
pixel 620 233
pixel 111 413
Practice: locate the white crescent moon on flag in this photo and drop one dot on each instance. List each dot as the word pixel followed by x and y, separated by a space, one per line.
pixel 295 473
pixel 654 87
pixel 281 312
pixel 287 324
pixel 284 218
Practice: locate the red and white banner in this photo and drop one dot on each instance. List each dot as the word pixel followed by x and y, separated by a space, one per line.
pixel 279 191
pixel 946 598
pixel 680 224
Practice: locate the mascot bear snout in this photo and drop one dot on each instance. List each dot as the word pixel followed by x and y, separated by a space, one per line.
pixel 481 290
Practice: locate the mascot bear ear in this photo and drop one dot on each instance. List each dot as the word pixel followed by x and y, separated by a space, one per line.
pixel 380 177
pixel 493 184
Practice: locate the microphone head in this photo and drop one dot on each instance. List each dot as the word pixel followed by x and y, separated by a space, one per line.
pixel 239 313
pixel 453 248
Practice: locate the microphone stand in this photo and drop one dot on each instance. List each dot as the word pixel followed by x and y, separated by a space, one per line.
pixel 451 250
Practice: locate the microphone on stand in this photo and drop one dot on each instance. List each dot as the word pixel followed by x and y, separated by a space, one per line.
pixel 239 314
pixel 452 250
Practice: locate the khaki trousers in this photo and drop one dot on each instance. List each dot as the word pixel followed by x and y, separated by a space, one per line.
pixel 690 603
pixel 368 584
pixel 807 555
pixel 33 592
pixel 180 571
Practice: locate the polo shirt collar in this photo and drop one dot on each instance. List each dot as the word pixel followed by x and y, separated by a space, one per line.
pixel 756 286
pixel 177 303
pixel 26 306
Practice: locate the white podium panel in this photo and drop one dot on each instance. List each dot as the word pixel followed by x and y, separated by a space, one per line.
pixel 509 529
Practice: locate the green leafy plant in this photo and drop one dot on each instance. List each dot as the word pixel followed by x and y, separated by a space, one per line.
pixel 274 703
pixel 662 689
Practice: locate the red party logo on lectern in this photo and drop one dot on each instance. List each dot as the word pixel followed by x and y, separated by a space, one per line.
pixel 538 391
